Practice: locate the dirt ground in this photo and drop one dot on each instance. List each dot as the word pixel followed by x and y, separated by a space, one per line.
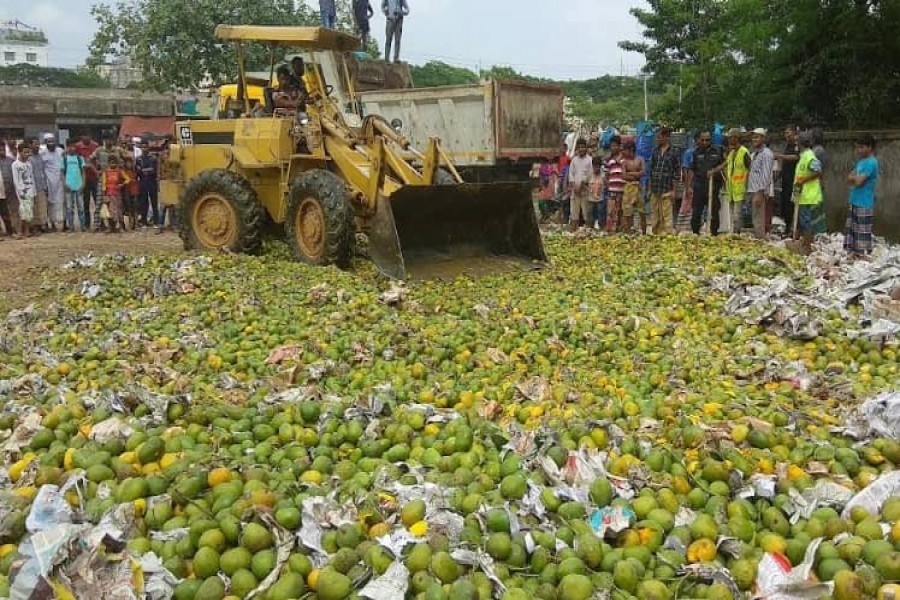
pixel 24 264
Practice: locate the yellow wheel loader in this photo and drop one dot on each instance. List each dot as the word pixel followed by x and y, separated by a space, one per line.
pixel 321 178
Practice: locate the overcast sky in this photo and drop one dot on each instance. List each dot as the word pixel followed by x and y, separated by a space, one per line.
pixel 564 39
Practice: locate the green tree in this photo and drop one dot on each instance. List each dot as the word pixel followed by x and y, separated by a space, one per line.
pixel 827 62
pixel 687 40
pixel 172 41
pixel 35 76
pixel 435 73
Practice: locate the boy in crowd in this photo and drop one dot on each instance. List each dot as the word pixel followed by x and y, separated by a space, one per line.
pixel 632 200
pixel 862 179
pixel 23 180
pixel 615 184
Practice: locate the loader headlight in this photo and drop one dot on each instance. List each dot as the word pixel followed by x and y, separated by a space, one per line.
pixel 397 125
pixel 303 119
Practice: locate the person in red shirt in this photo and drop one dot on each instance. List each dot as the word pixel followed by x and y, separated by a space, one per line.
pixel 112 182
pixel 562 167
pixel 130 193
pixel 85 149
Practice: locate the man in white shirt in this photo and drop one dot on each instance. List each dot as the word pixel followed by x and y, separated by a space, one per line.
pixel 52 155
pixel 580 172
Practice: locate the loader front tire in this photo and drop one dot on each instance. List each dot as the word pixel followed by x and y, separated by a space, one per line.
pixel 220 211
pixel 320 226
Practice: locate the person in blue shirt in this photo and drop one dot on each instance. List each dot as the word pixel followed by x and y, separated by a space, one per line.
pixel 858 238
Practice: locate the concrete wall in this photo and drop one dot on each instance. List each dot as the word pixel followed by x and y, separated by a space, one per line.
pixel 72 105
pixel 841 159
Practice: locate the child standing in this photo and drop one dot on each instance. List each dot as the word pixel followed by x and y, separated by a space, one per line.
pixel 112 181
pixel 131 191
pixel 23 181
pixel 547 177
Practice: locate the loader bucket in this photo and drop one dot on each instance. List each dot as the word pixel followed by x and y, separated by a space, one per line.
pixel 448 230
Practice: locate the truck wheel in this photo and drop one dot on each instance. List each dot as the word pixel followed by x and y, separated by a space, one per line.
pixel 320 225
pixel 219 211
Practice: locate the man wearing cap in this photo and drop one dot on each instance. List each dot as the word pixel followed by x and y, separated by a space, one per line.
pixel 737 167
pixel 761 162
pixel 51 156
pixel 808 192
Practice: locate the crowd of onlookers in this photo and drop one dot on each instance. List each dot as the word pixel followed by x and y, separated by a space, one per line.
pixel 84 186
pixel 613 189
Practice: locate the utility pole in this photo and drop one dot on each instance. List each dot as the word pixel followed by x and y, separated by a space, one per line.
pixel 646 101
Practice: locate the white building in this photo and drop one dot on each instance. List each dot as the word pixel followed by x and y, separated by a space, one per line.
pixel 120 73
pixel 20 44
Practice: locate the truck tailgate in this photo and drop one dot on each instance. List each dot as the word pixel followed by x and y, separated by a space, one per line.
pixel 528 119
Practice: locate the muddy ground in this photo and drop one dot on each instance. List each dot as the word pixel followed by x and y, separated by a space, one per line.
pixel 26 264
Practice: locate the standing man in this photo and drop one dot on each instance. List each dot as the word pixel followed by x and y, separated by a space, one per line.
pixel 737 170
pixel 73 174
pixel 863 178
pixel 788 158
pixel 328 12
pixel 39 221
pixel 9 202
pixel 579 180
pixel 632 199
pixel 663 173
pixel 394 11
pixel 362 12
pixel 147 169
pixel 91 193
pixel 51 156
pixel 761 162
pixel 706 163
pixel 808 190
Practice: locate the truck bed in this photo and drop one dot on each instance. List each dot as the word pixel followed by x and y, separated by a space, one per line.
pixel 480 125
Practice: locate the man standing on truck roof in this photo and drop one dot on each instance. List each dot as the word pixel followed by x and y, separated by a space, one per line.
pixel 328 12
pixel 394 11
pixel 362 12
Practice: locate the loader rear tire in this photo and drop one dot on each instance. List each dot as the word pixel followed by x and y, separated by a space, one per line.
pixel 320 226
pixel 220 211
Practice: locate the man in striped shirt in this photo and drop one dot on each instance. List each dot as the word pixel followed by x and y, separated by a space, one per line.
pixel 615 184
pixel 758 188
